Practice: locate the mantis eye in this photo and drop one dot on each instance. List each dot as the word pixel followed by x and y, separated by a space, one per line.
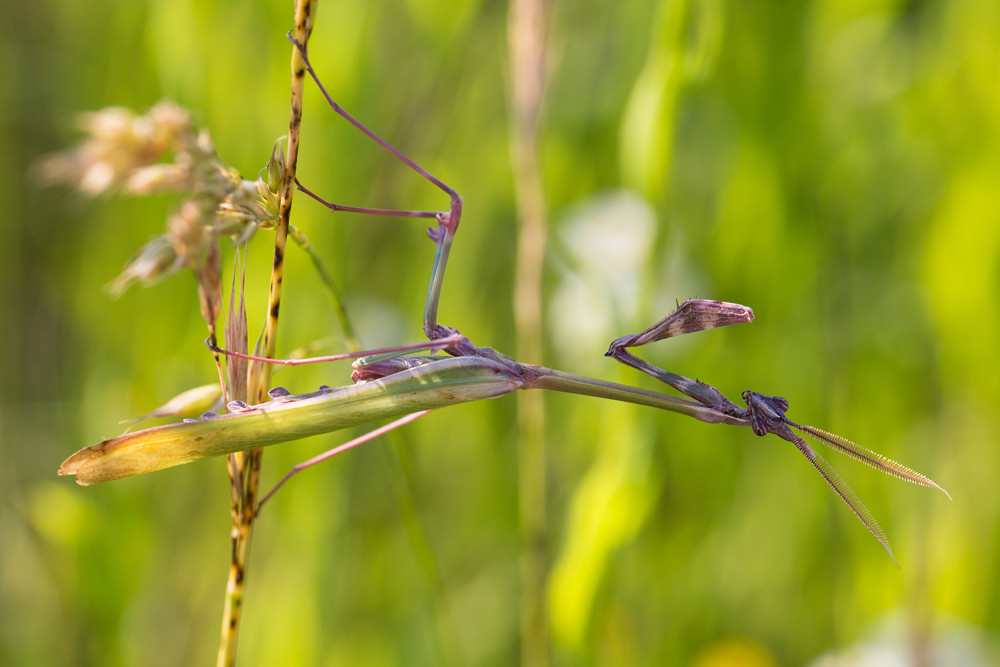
pixel 759 424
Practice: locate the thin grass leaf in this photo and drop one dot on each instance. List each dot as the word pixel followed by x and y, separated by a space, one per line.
pixel 237 339
pixel 255 368
pixel 186 404
pixel 350 337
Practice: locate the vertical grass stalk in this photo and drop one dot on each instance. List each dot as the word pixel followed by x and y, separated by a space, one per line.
pixel 527 44
pixel 304 18
pixel 423 553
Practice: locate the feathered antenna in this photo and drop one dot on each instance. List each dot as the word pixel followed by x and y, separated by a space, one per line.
pixel 767 415
pixel 869 457
pixel 845 493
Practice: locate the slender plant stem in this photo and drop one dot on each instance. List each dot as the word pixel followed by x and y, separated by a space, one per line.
pixel 234 469
pixel 304 16
pixel 337 299
pixel 527 44
pixel 400 475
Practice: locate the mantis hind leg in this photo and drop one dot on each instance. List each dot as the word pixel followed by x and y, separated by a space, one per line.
pixel 371 435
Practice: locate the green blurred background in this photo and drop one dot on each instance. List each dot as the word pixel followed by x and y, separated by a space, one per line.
pixel 834 165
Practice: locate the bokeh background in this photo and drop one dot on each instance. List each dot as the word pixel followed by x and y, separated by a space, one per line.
pixel 834 165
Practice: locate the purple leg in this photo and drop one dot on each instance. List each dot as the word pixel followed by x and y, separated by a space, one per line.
pixel 369 211
pixel 356 123
pixel 447 222
pixel 434 346
pixel 691 316
pixel 342 448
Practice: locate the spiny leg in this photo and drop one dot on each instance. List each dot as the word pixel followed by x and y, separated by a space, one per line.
pixel 371 435
pixel 691 316
pixel 447 221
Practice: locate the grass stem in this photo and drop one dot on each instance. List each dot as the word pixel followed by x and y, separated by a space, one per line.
pixel 304 18
pixel 527 45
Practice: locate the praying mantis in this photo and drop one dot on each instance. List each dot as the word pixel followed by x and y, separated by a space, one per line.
pixel 390 383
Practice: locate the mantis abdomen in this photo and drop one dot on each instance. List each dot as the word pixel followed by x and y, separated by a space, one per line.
pixel 434 385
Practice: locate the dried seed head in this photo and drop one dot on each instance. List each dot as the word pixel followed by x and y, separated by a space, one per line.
pixel 97 177
pixel 186 231
pixel 113 124
pixel 276 167
pixel 122 148
pixel 210 283
pixel 262 213
pixel 246 236
pixel 170 119
pixel 204 143
pixel 89 168
pixel 238 202
pixel 264 191
pixel 228 223
pixel 158 178
pixel 241 212
pixel 118 142
pixel 157 259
